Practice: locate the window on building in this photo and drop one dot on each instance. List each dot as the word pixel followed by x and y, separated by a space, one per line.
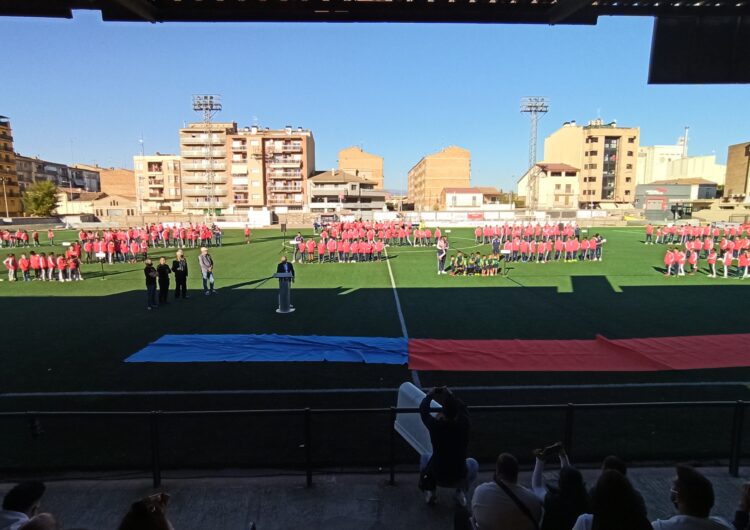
pixel 473 200
pixel 568 188
pixel 453 200
pixel 628 166
pixel 556 174
pixel 631 140
pixel 557 187
pixel 630 153
pixel 628 179
pixel 627 192
pixel 592 166
pixel 353 187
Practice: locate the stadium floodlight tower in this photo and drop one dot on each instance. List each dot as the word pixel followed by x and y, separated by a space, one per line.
pixel 208 105
pixel 535 107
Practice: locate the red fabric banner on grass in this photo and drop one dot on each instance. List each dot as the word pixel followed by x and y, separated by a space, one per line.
pixel 598 355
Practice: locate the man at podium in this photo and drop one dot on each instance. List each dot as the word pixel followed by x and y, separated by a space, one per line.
pixel 285 274
pixel 284 267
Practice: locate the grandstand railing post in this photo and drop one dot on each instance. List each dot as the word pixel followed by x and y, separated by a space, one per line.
pixel 392 447
pixel 569 425
pixel 308 447
pixel 154 437
pixel 735 450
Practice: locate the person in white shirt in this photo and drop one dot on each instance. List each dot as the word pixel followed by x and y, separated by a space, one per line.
pixel 693 496
pixel 615 504
pixel 503 503
pixel 20 504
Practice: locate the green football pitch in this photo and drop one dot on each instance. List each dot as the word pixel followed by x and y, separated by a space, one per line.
pixel 73 338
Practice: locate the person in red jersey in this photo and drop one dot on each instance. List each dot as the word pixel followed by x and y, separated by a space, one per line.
pixel 669 262
pixel 354 251
pixel 310 250
pixel 321 251
pixel 23 266
pixel 35 267
pixel 344 247
pixel 88 248
pixel 51 266
pixel 74 269
pixel 247 234
pixel 727 262
pixel 331 247
pixel 62 268
pixel 711 258
pixel 111 251
pixel 649 234
pixel 693 261
pixel 43 265
pixel 680 261
pixel 379 247
pixel 743 264
pixel 51 237
pixel 11 265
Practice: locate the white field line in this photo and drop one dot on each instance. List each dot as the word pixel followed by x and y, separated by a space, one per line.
pixel 404 331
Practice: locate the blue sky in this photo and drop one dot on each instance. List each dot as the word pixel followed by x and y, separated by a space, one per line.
pixel 82 90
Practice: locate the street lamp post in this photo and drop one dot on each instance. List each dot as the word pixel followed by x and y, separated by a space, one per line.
pixel 5 197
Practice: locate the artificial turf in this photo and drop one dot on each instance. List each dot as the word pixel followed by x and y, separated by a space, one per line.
pixel 75 336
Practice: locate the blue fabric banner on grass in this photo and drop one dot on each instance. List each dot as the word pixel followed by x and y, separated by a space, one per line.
pixel 272 348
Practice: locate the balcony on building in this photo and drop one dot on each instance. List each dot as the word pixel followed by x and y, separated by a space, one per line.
pixel 238 146
pixel 202 178
pixel 281 174
pixel 203 191
pixel 202 139
pixel 204 153
pixel 204 165
pixel 285 188
pixel 285 201
pixel 206 204
pixel 285 162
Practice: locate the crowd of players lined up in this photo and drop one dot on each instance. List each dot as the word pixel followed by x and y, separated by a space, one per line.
pixel 687 245
pixel 359 241
pixel 125 245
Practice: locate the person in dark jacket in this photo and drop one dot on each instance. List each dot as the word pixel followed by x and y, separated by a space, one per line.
pixel 180 269
pixel 150 272
pixel 448 465
pixel 163 271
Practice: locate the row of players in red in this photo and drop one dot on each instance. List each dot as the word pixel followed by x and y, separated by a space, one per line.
pixel 682 233
pixel 65 267
pixel 675 260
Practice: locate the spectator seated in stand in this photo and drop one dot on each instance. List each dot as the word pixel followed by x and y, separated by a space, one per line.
pixel 503 504
pixel 20 504
pixel 615 506
pixel 693 496
pixel 148 513
pixel 566 501
pixel 616 464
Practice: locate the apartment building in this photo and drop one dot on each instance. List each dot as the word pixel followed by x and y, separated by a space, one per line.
pixel 112 180
pixel 359 163
pixel 738 171
pixel 157 183
pixel 607 155
pixel 31 170
pixel 653 162
pixel 335 191
pixel 550 185
pixel 11 205
pixel 270 167
pixel 449 168
pixel 205 175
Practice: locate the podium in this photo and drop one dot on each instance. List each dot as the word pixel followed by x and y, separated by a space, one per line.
pixel 285 292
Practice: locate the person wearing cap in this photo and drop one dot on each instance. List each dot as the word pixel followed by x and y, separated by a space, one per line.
pixel 206 263
pixel 180 269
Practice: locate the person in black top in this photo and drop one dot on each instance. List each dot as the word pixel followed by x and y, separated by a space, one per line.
pixel 448 465
pixel 180 269
pixel 150 272
pixel 163 271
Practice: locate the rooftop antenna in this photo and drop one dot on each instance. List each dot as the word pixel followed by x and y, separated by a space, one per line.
pixel 140 141
pixel 685 142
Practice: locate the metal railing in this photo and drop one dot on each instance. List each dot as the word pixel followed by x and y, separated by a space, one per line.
pixel 306 417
